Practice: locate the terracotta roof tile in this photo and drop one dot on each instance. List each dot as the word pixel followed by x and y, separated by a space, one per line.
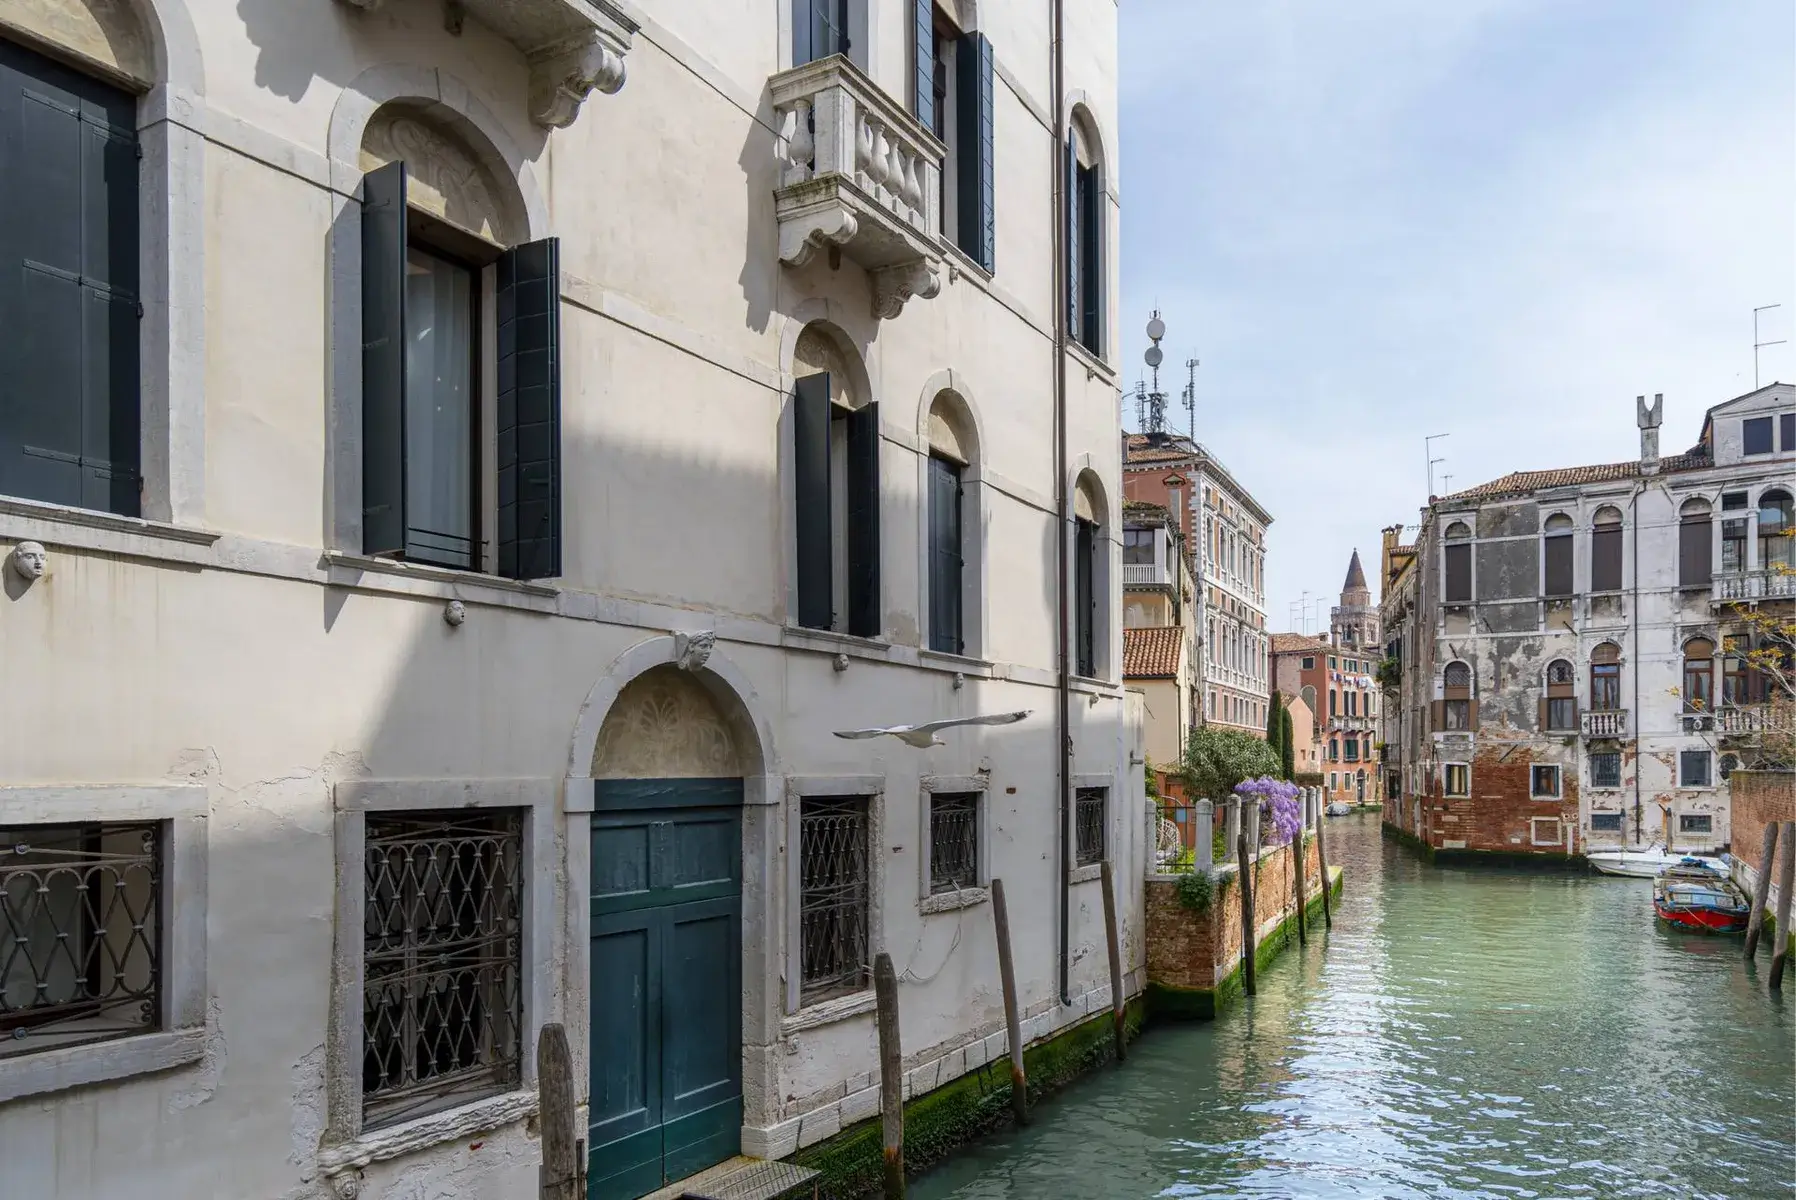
pixel 1291 643
pixel 1152 652
pixel 1520 483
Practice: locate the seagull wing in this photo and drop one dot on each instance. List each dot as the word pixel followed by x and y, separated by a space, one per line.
pixel 1009 718
pixel 871 733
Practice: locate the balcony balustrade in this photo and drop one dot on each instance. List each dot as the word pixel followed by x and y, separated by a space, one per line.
pixel 1769 583
pixel 1605 722
pixel 1147 575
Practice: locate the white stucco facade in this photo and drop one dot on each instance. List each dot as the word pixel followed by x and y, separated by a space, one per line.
pixel 232 666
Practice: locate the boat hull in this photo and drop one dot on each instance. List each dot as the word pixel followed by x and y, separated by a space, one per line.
pixel 1701 919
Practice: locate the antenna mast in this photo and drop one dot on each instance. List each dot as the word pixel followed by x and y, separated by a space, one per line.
pixel 1189 398
pixel 1758 345
pixel 1150 405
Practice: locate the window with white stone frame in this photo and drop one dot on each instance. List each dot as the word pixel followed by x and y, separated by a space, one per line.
pixel 102 934
pixel 1456 779
pixel 1544 831
pixel 954 872
pixel 1543 781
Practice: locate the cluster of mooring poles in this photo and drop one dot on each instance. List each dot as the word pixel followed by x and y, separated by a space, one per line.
pixel 1786 883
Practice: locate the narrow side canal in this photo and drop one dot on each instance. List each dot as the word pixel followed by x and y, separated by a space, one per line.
pixel 1466 1033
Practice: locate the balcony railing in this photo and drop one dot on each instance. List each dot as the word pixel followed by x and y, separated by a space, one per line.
pixel 1350 724
pixel 1605 722
pixel 1146 575
pixel 858 175
pixel 1768 583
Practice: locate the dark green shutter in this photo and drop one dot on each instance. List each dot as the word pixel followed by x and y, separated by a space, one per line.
pixel 810 474
pixel 945 565
pixel 1090 215
pixel 1084 599
pixel 1070 225
pixel 923 55
pixel 863 521
pixel 383 360
pixel 69 310
pixel 529 410
pixel 977 137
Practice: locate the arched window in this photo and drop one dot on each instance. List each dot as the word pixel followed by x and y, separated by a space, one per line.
pixel 1777 531
pixel 1605 677
pixel 1556 556
pixel 1605 550
pixel 953 526
pixel 1699 675
pixel 835 469
pixel 821 28
pixel 1458 564
pixel 1085 258
pixel 1559 707
pixel 1090 577
pixel 442 247
pixel 1459 709
pixel 1693 543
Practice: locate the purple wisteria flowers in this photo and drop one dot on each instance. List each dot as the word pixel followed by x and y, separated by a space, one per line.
pixel 1281 810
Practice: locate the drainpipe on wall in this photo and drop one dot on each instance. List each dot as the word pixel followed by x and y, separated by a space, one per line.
pixel 1639 817
pixel 1062 506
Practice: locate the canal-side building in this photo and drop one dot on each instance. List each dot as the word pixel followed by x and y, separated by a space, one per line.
pixel 1580 639
pixel 1404 702
pixel 1353 693
pixel 460 467
pixel 1226 527
pixel 1160 642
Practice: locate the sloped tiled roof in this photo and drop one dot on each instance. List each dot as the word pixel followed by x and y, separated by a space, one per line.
pixel 1152 652
pixel 1521 483
pixel 1291 643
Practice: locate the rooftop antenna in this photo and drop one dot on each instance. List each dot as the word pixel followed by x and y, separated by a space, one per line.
pixel 1150 407
pixel 1189 398
pixel 1428 451
pixel 1758 345
pixel 1447 483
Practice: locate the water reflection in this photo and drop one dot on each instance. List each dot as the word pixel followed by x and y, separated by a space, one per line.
pixel 1468 1034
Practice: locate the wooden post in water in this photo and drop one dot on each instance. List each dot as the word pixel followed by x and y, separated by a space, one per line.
pixel 1328 916
pixel 891 1074
pixel 1013 1025
pixel 559 1176
pixel 1786 883
pixel 1303 933
pixel 1247 923
pixel 1761 891
pixel 1108 879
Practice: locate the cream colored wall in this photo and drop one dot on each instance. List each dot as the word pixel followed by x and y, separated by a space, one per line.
pixel 234 653
pixel 1162 698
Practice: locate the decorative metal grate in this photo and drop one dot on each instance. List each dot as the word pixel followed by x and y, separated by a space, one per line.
pixel 1089 825
pixel 442 929
pixel 953 841
pixel 80 934
pixel 833 896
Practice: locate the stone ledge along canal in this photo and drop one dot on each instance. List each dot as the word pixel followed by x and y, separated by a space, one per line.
pixel 1466 1033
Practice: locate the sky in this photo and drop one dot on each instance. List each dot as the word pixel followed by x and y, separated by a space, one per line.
pixel 1496 219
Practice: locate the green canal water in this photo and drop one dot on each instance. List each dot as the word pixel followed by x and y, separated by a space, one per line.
pixel 1463 1033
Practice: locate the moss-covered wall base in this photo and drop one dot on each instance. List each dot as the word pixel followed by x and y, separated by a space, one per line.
pixel 975 1104
pixel 1165 1002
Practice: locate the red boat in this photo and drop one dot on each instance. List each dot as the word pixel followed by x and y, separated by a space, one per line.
pixel 1692 895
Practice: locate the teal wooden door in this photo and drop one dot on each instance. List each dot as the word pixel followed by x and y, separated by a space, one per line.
pixel 666 1069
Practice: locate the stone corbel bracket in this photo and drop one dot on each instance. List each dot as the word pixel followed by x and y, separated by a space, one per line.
pixel 892 286
pixel 817 228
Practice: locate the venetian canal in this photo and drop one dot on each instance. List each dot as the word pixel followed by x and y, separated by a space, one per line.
pixel 1467 1033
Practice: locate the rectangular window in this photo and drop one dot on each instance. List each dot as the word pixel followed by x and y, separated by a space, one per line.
pixel 1786 432
pixel 1695 823
pixel 1699 677
pixel 442 966
pixel 1559 565
pixel 1085 246
pixel 441 448
pixel 1605 822
pixel 1605 686
pixel 1138 546
pixel 1755 435
pixel 81 934
pixel 1562 712
pixel 974 150
pixel 835 458
pixel 1733 545
pixel 834 895
pixel 69 304
pixel 1458 714
pixel 1334 781
pixel 1309 664
pixel 1543 782
pixel 1693 768
pixel 1543 831
pixel 1352 749
pixel 945 556
pixel 953 841
pixel 1456 779
pixel 1085 600
pixel 1693 551
pixel 820 29
pixel 1605 558
pixel 1459 574
pixel 1090 825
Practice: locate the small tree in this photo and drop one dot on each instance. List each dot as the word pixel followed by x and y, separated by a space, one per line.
pixel 1287 753
pixel 1275 707
pixel 1218 759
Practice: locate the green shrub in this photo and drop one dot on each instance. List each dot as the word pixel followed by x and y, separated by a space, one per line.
pixel 1217 759
pixel 1197 890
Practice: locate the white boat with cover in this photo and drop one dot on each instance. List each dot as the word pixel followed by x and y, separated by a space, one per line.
pixel 1644 863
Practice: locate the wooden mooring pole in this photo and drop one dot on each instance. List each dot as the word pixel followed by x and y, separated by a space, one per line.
pixel 1303 933
pixel 1013 1025
pixel 1761 890
pixel 559 1176
pixel 1108 879
pixel 1786 883
pixel 891 1074
pixel 1328 916
pixel 1247 922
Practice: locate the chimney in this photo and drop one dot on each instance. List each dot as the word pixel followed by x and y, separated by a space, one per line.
pixel 1648 419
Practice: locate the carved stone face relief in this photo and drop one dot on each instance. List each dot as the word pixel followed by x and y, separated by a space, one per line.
pixel 443 176
pixel 663 725
pixel 28 560
pixel 693 650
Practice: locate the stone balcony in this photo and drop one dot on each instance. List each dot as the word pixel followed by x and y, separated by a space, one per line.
pixel 572 46
pixel 1768 583
pixel 859 177
pixel 1145 575
pixel 1604 722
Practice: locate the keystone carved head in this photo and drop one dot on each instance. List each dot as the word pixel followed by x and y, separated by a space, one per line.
pixel 29 559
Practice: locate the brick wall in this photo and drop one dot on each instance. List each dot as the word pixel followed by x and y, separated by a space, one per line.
pixel 1500 815
pixel 1759 797
pixel 1196 951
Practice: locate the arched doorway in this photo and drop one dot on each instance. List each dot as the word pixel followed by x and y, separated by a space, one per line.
pixel 666 930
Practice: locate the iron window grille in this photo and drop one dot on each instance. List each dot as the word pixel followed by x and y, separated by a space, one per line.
pixel 442 1007
pixel 1605 822
pixel 80 934
pixel 953 842
pixel 833 896
pixel 1605 770
pixel 1695 823
pixel 1089 825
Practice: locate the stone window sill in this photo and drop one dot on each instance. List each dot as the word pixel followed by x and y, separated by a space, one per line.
pixel 828 1012
pixel 803 637
pixel 1094 366
pixel 1086 873
pixel 479 1116
pixel 953 901
pixel 91 529
pixel 98 1062
pixel 345 568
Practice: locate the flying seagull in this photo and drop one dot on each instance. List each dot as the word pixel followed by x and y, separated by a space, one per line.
pixel 923 736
